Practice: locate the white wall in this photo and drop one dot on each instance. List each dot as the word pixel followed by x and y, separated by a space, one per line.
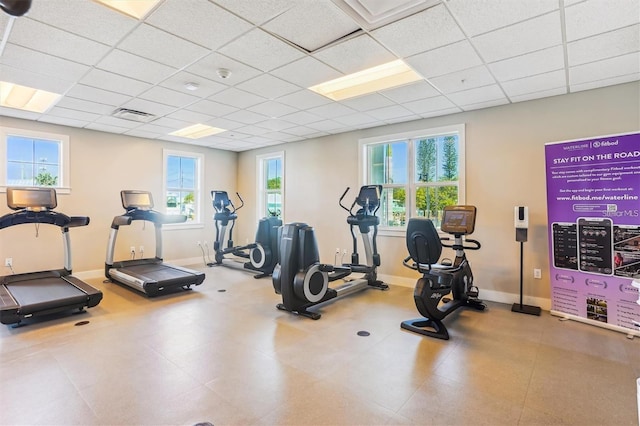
pixel 504 168
pixel 103 164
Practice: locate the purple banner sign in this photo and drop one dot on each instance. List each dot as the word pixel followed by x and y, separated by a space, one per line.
pixel 593 202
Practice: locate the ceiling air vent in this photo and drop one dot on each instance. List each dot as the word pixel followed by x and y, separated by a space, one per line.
pixel 133 115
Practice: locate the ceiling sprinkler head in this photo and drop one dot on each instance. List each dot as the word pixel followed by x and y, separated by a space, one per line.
pixel 191 86
pixel 224 73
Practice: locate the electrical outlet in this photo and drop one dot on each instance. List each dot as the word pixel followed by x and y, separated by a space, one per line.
pixel 8 262
pixel 141 249
pixel 198 243
pixel 537 274
pixel 132 249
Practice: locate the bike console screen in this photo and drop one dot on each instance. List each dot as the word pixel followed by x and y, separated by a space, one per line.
pixel 459 220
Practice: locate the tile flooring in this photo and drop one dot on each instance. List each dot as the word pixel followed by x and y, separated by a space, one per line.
pixel 231 358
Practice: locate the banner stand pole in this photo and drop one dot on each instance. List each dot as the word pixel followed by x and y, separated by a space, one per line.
pixel 519 307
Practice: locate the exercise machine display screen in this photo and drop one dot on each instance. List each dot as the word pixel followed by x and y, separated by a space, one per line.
pixel 136 200
pixel 565 245
pixel 369 196
pixel 458 219
pixel 595 245
pixel 31 198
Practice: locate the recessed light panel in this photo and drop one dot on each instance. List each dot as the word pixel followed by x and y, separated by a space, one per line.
pixel 197 131
pixel 26 98
pixel 135 8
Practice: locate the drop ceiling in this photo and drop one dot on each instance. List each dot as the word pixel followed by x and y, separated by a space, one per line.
pixel 472 54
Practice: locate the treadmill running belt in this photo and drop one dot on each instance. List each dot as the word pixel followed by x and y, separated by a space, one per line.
pixel 156 272
pixel 43 290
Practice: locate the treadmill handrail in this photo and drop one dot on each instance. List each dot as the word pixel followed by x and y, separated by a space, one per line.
pixel 153 216
pixel 47 217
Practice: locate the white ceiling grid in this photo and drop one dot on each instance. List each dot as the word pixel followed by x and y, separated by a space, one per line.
pixel 471 55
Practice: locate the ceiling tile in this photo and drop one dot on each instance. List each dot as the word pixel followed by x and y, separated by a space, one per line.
pixel 485 104
pixel 114 82
pixel 63 121
pixel 605 82
pixel 538 95
pixel 82 105
pixel 477 95
pixel 306 72
pixel 390 112
pixel 237 98
pixel 440 113
pixel 534 34
pixel 168 97
pixel 257 12
pixel 129 65
pixel 190 116
pixel 261 50
pixel 463 80
pixel 538 83
pixel 368 102
pixel 154 128
pixel 208 67
pixel 43 38
pixel 162 47
pixel 312 24
pixel 607 45
pixel 106 128
pixel 424 106
pixel 327 126
pixel 423 31
pixel 304 99
pixel 171 123
pixel 598 16
pixel 224 123
pixel 205 88
pixel 275 125
pixel 117 122
pixel 411 92
pixel 445 60
pixel 356 120
pixel 74 114
pixel 332 110
pixel 211 108
pixel 20 57
pixel 93 94
pixel 246 117
pixel 184 18
pixel 301 117
pixel 148 107
pixel 355 54
pixel 530 64
pixel 98 23
pixel 272 109
pixel 280 137
pixel 18 113
pixel 268 86
pixel 142 134
pixel 607 68
pixel 301 131
pixel 477 17
pixel 31 79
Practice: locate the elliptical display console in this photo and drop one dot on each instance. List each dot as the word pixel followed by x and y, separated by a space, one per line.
pixel 303 281
pixel 447 286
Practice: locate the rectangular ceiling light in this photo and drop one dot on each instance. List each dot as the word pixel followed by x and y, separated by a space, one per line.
pixel 385 76
pixel 197 131
pixel 26 98
pixel 134 8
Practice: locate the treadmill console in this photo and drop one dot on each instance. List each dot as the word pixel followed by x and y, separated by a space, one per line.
pixel 136 200
pixel 35 199
pixel 459 220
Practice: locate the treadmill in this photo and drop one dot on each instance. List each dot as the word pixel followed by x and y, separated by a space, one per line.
pixel 42 293
pixel 150 276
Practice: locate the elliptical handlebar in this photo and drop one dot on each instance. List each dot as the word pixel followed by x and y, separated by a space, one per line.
pixel 241 203
pixel 342 198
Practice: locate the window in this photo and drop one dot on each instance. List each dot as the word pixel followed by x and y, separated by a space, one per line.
pixel 420 172
pixel 271 185
pixel 31 158
pixel 182 183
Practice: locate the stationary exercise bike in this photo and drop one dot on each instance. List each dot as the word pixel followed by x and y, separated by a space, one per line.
pixel 303 281
pixel 261 256
pixel 447 286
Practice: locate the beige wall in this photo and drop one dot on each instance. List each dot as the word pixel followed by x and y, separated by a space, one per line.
pixel 504 168
pixel 102 164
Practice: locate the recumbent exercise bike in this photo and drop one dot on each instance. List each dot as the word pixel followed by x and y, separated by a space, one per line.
pixel 303 281
pixel 261 256
pixel 447 286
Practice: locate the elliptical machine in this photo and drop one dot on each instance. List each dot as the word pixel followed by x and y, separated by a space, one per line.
pixel 261 256
pixel 448 282
pixel 303 281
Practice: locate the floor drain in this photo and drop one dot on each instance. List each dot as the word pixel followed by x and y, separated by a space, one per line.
pixel 81 323
pixel 363 333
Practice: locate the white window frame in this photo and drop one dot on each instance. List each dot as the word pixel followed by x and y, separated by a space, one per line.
pixel 409 137
pixel 64 185
pixel 261 184
pixel 199 220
